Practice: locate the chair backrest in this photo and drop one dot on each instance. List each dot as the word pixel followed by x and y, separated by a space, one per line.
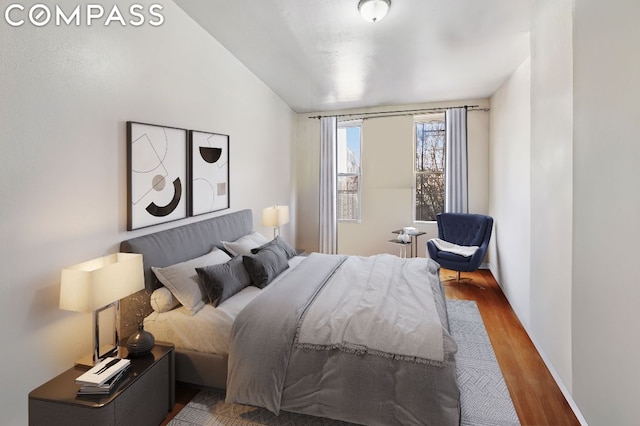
pixel 464 229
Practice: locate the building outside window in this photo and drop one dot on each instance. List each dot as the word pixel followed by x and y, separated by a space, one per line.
pixel 349 170
pixel 430 137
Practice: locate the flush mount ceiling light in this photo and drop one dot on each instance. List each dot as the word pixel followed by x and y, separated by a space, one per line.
pixel 374 10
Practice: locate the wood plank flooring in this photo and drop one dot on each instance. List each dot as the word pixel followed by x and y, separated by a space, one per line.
pixel 535 394
pixel 536 397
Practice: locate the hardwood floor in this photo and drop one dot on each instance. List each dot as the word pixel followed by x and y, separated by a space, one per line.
pixel 535 394
pixel 537 398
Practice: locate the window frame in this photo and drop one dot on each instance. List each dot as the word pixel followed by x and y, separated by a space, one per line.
pixel 346 124
pixel 418 119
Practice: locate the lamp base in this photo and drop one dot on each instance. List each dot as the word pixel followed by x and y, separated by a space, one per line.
pixel 86 361
pixel 140 343
pixel 89 360
pixel 102 351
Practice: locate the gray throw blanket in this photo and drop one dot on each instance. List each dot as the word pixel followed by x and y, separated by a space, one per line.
pixel 267 369
pixel 258 358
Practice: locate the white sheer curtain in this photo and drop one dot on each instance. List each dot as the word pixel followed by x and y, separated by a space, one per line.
pixel 456 192
pixel 328 213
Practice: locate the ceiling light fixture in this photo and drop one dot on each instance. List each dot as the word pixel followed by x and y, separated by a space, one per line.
pixel 374 10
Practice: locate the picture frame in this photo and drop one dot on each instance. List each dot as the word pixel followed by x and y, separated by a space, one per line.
pixel 208 172
pixel 157 174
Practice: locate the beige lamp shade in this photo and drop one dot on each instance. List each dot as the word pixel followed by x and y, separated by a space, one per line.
pixel 275 216
pixel 91 285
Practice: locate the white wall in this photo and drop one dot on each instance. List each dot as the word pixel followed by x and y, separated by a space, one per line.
pixel 510 193
pixel 387 179
pixel 385 187
pixel 66 95
pixel 552 183
pixel 606 207
pixel 307 170
pixel 532 184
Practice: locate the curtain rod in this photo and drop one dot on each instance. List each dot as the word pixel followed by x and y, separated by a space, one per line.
pixel 402 112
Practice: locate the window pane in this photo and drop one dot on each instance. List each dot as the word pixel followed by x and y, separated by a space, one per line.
pixel 348 170
pixel 429 195
pixel 430 143
pixel 348 197
pixel 430 167
pixel 348 149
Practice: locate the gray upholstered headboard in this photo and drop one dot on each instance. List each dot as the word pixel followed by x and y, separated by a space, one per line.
pixel 185 242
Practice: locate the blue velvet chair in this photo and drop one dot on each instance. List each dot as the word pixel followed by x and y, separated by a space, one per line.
pixel 464 230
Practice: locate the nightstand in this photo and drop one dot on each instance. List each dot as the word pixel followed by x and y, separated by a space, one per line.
pixel 145 397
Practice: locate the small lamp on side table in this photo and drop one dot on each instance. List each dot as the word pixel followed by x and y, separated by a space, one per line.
pixel 275 217
pixel 97 285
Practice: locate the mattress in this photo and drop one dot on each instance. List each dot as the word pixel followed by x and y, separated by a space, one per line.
pixel 209 329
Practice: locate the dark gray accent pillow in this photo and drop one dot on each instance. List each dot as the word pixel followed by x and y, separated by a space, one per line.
pixel 220 282
pixel 265 265
pixel 289 251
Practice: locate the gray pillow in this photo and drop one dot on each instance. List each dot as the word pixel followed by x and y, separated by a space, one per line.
pixel 289 251
pixel 220 282
pixel 265 265
pixel 182 279
pixel 244 244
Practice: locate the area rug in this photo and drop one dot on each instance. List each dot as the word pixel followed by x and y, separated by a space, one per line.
pixel 484 400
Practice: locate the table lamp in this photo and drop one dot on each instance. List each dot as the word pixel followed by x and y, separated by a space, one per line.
pixel 97 285
pixel 275 217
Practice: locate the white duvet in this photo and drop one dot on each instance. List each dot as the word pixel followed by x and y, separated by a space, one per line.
pixel 381 303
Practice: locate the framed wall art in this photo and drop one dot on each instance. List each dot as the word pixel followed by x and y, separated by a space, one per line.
pixel 157 179
pixel 208 172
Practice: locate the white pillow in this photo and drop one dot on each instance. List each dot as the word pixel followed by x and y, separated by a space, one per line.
pixel 244 244
pixel 162 300
pixel 182 278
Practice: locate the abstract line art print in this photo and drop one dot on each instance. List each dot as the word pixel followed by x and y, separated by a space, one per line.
pixel 157 180
pixel 209 172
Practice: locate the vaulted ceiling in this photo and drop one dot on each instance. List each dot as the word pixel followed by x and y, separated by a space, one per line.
pixel 320 55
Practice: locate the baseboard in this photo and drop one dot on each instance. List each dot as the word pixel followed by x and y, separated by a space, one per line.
pixel 558 380
pixel 547 361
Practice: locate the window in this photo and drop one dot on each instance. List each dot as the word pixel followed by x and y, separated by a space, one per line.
pixel 348 167
pixel 429 166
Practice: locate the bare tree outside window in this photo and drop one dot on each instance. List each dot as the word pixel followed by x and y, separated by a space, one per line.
pixel 429 168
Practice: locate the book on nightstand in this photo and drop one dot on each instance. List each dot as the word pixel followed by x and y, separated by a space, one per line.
pixel 107 387
pixel 103 377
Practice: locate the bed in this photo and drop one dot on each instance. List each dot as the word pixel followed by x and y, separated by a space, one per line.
pixel 307 342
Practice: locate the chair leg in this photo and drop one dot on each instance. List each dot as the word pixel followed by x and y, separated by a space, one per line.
pixel 460 280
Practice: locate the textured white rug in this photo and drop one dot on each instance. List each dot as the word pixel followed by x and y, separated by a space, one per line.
pixel 484 397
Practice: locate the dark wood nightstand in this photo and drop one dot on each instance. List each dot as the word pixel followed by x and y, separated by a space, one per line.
pixel 145 397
